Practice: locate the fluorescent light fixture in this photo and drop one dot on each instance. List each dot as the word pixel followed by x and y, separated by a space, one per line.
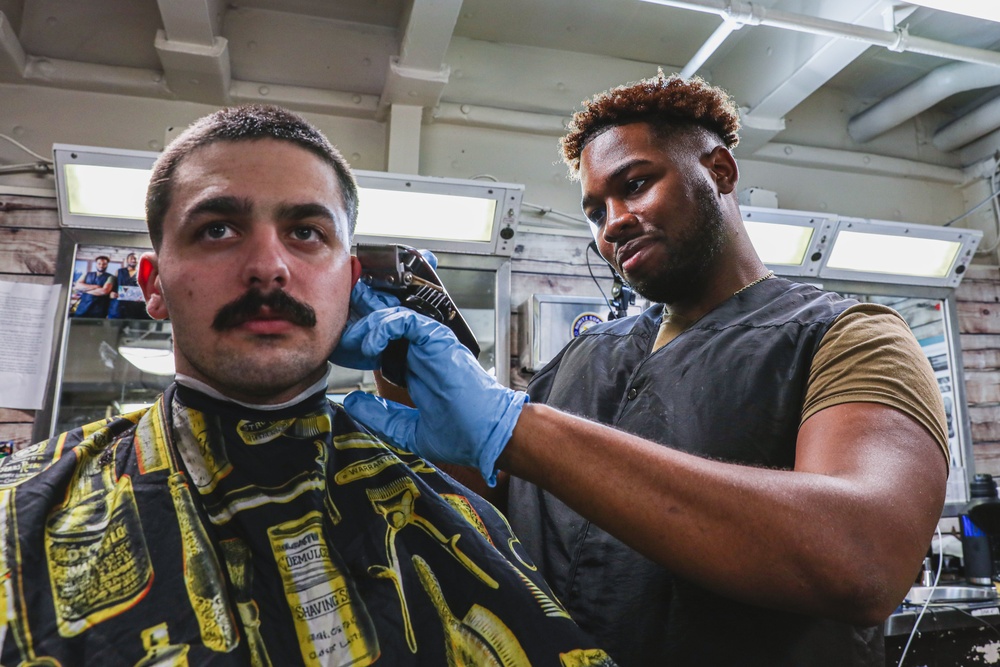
pixel 900 253
pixel 784 245
pixel 880 253
pixel 102 188
pixel 154 360
pixel 792 243
pixel 115 192
pixel 446 214
pixel 425 215
pixel 105 188
pixel 980 9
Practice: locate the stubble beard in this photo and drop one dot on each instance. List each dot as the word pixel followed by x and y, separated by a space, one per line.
pixel 266 370
pixel 691 257
pixel 245 375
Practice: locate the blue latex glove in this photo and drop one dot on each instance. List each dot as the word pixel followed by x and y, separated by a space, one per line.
pixel 364 301
pixel 463 415
pixel 430 257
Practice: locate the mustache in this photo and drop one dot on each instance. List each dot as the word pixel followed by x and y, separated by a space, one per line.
pixel 278 302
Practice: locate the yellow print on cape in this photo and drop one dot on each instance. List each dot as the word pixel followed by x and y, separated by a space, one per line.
pixel 332 625
pixel 357 441
pixel 200 444
pixel 468 512
pixel 96 554
pixel 259 432
pixel 311 426
pixel 28 462
pixel 150 441
pixel 585 657
pixel 202 573
pixel 479 638
pixel 250 496
pixel 365 469
pixel 159 651
pixel 239 563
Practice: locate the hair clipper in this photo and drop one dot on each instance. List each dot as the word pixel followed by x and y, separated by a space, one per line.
pixel 403 272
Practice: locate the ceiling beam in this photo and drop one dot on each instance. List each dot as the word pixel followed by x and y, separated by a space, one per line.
pixel 195 58
pixel 813 69
pixel 12 57
pixel 418 75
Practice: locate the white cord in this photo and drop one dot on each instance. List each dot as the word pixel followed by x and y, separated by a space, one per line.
pixel 545 210
pixel 996 215
pixel 26 149
pixel 24 166
pixel 930 593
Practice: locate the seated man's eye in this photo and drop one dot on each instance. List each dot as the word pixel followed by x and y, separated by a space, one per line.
pixel 305 234
pixel 635 184
pixel 217 231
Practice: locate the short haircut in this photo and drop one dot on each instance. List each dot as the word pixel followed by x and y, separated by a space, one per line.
pixel 668 103
pixel 104 257
pixel 243 123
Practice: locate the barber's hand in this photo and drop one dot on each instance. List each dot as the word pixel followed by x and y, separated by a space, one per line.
pixel 364 301
pixel 463 415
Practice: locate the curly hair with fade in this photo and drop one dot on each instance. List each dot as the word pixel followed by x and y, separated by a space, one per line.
pixel 666 102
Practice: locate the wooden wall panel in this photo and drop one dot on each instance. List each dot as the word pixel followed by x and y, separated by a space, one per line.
pixel 978 306
pixel 29 243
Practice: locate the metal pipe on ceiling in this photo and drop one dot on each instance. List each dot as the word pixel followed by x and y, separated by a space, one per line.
pixel 969 127
pixel 853 162
pixel 981 149
pixel 748 13
pixel 919 96
pixel 711 45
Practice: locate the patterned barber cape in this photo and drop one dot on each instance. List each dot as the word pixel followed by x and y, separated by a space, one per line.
pixel 199 532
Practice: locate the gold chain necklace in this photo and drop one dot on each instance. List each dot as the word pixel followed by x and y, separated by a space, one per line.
pixel 751 284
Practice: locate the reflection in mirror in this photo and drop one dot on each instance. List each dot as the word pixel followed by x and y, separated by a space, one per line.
pixel 100 380
pixel 115 358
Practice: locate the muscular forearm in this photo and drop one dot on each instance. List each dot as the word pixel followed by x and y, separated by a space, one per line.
pixel 825 544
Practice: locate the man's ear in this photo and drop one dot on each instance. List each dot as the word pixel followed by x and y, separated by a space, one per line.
pixel 723 166
pixel 355 270
pixel 148 278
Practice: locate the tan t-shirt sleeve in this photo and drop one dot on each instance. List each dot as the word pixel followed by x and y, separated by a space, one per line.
pixel 870 355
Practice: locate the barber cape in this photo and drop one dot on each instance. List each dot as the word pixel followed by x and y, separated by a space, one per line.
pixel 202 532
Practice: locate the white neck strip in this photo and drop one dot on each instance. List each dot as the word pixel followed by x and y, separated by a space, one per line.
pixel 198 385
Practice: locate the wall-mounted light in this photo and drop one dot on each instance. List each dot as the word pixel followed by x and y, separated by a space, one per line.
pixel 900 253
pixel 796 243
pixel 790 242
pixel 105 188
pixel 102 188
pixel 446 214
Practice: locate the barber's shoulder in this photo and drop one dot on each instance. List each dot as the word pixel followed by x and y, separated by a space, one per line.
pixel 871 315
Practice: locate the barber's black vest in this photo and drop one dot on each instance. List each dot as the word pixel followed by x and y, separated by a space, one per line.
pixel 731 388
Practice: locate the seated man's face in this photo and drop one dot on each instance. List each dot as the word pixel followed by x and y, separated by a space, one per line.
pixel 254 270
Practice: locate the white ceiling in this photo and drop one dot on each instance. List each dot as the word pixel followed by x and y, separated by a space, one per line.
pixel 526 64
